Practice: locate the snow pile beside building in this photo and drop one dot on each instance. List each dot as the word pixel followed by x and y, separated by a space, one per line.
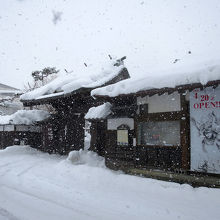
pixel 19 150
pixel 99 112
pixel 88 77
pixel 26 117
pixel 202 73
pixel 86 157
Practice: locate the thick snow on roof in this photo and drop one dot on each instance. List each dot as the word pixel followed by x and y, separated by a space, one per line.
pixel 6 87
pixel 201 73
pixel 26 117
pixel 99 112
pixel 7 91
pixel 89 77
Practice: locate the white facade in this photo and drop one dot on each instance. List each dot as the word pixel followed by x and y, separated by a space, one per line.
pixel 162 103
pixel 114 123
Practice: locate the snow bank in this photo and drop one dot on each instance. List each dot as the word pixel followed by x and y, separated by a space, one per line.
pixel 36 185
pixel 201 73
pixel 18 150
pixel 86 157
pixel 26 117
pixel 89 77
pixel 99 112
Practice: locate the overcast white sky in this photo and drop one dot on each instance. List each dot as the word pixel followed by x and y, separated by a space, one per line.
pixel 151 33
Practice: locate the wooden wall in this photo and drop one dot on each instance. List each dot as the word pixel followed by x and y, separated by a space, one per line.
pixel 120 155
pixel 6 139
pixel 175 157
pixel 159 157
pixel 63 133
pixel 9 138
pixel 98 136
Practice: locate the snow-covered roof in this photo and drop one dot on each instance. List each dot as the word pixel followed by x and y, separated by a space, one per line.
pixel 26 117
pixel 6 87
pixel 89 77
pixel 8 90
pixel 99 112
pixel 3 91
pixel 203 74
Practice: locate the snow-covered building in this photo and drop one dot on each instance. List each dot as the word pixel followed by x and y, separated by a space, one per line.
pixel 22 128
pixel 7 91
pixel 9 100
pixel 69 95
pixel 168 121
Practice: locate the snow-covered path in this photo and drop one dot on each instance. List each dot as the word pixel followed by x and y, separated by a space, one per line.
pixel 36 185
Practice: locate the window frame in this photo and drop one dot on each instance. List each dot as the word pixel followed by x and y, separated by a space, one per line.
pixel 140 136
pixel 156 117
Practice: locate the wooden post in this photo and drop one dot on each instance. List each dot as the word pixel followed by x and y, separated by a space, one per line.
pixel 185 133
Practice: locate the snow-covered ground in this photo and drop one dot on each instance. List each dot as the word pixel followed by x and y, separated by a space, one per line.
pixel 35 185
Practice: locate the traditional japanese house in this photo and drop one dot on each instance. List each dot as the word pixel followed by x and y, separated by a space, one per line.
pixel 171 122
pixel 69 95
pixel 22 128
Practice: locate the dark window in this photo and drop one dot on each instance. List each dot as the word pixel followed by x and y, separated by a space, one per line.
pixel 162 133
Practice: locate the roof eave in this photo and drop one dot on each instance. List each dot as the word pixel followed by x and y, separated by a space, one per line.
pixel 48 100
pixel 160 91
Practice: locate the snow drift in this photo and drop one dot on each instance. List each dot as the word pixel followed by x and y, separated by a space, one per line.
pixel 86 157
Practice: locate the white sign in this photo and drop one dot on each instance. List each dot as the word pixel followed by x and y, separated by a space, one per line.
pixel 114 123
pixel 205 130
pixel 122 137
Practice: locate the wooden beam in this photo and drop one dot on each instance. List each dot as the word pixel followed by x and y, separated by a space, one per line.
pixel 180 89
pixel 184 134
